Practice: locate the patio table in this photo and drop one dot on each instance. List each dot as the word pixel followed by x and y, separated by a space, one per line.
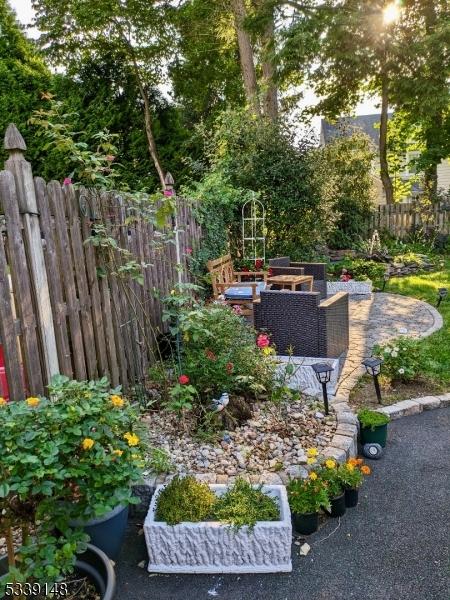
pixel 291 281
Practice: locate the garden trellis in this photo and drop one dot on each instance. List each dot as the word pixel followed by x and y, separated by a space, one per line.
pixel 59 311
pixel 253 231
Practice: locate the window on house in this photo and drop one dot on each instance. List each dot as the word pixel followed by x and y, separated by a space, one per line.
pixel 410 167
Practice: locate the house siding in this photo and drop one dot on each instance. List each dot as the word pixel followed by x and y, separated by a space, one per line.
pixel 443 173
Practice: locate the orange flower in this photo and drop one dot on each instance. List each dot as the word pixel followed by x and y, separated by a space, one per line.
pixel 3 402
pixel 359 461
pixel 365 470
pixel 352 461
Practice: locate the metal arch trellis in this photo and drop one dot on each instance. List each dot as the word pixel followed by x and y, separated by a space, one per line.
pixel 253 230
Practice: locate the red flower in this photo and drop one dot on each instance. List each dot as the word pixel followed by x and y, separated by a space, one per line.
pixel 183 379
pixel 259 263
pixel 67 181
pixel 262 340
pixel 229 368
pixel 188 250
pixel 210 355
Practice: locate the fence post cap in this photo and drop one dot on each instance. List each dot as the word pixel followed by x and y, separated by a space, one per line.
pixel 13 139
pixel 169 180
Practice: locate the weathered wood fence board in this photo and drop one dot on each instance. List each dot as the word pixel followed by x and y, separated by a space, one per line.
pixel 102 323
pixel 401 219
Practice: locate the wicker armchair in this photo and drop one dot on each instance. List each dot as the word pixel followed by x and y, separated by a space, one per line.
pixel 284 266
pixel 300 320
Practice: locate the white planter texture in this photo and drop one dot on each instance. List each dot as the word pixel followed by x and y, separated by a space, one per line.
pixel 354 288
pixel 214 547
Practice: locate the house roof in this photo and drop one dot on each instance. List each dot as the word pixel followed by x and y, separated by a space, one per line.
pixel 346 126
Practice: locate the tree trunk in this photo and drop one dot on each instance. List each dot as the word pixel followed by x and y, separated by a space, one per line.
pixel 269 71
pixel 246 56
pixel 384 167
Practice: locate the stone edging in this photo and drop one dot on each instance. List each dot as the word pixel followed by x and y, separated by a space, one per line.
pixel 415 406
pixel 438 321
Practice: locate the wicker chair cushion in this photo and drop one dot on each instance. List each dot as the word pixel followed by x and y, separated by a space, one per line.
pixel 243 292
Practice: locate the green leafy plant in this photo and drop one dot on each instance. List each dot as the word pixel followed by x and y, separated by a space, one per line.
pixel 370 419
pixel 244 505
pixel 308 495
pixel 185 499
pixel 71 456
pixel 329 474
pixel 401 359
pixel 351 474
pixel 159 461
pixel 181 398
pixel 359 268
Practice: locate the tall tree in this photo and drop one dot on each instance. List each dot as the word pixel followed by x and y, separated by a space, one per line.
pixel 23 75
pixel 133 31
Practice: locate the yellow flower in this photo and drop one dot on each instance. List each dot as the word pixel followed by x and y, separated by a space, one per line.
pixel 118 452
pixel 330 463
pixel 313 475
pixel 2 401
pixel 311 460
pixel 131 438
pixel 135 456
pixel 87 443
pixel 117 401
pixel 350 466
pixel 312 452
pixel 172 292
pixel 365 470
pixel 32 401
pixel 267 351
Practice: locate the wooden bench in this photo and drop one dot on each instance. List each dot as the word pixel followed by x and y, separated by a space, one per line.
pixel 224 277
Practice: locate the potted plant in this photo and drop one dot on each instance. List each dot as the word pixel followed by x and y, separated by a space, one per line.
pixel 329 473
pixel 306 498
pixel 192 527
pixel 62 461
pixel 373 427
pixel 351 475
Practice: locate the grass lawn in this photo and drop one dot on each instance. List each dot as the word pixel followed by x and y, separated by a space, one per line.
pixel 434 349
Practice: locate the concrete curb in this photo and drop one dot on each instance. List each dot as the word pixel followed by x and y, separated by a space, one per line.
pixel 415 406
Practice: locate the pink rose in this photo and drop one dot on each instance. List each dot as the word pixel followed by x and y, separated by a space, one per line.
pixel 262 341
pixel 67 181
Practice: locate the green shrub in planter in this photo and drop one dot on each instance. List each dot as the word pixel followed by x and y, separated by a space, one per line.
pixel 371 419
pixel 373 427
pixel 308 495
pixel 185 499
pixel 72 456
pixel 243 504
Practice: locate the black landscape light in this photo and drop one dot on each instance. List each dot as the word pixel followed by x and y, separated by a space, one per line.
pixel 442 293
pixel 323 373
pixel 373 367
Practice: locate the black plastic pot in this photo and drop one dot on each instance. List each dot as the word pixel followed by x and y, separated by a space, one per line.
pixel 351 497
pixel 93 564
pixel 377 436
pixel 305 523
pixel 107 532
pixel 337 506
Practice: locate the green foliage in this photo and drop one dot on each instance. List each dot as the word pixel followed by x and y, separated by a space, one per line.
pixel 330 476
pixel 23 77
pixel 289 177
pixel 401 359
pixel 370 419
pixel 219 354
pixel 307 495
pixel 72 456
pixel 218 210
pixel 349 163
pixel 185 499
pixel 244 505
pixel 159 461
pixel 359 268
pixel 350 475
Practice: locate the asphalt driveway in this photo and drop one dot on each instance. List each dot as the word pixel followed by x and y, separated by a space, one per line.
pixel 393 546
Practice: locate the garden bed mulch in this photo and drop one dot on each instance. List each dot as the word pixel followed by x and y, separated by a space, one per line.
pixel 363 394
pixel 274 439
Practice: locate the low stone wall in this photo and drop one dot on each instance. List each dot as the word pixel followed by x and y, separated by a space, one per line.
pixel 415 406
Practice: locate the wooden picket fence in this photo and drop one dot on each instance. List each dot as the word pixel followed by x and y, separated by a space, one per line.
pixel 60 311
pixel 403 218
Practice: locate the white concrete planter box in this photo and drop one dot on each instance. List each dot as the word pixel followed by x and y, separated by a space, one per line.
pixel 354 288
pixel 214 547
